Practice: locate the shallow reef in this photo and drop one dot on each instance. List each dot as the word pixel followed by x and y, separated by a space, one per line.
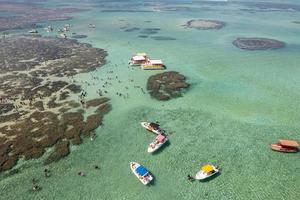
pixel 79 36
pixel 257 43
pixel 167 85
pixel 162 38
pixel 29 13
pixel 131 29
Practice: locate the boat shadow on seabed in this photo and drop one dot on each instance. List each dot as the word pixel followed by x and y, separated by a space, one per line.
pixel 153 182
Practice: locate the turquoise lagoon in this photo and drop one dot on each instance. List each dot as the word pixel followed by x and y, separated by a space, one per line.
pixel 238 103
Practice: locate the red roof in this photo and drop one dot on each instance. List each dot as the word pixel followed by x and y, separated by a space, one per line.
pixel 289 143
pixel 160 138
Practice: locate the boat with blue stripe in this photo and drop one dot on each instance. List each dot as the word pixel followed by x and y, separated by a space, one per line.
pixel 141 173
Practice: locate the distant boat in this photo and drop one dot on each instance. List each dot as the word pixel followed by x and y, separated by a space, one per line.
pixel 66 29
pixel 287 146
pixel 33 31
pixel 141 173
pixel 63 35
pixel 153 127
pixel 92 26
pixel 139 59
pixel 49 29
pixel 206 172
pixel 159 141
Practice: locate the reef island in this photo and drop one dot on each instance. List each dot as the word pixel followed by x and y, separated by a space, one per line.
pixel 167 85
pixel 36 110
pixel 257 43
pixel 28 14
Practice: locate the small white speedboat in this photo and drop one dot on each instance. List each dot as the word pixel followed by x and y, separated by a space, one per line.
pixel 49 29
pixel 63 35
pixel 92 26
pixel 206 172
pixel 153 127
pixel 159 141
pixel 141 173
pixel 33 31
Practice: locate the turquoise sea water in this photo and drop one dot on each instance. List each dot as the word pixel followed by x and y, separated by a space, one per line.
pixel 239 102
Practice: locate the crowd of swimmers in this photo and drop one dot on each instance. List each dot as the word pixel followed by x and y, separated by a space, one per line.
pixel 103 89
pixel 104 85
pixel 47 173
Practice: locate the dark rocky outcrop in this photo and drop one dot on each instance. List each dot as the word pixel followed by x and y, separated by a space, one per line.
pixel 74 88
pixel 166 85
pixel 96 102
pixel 257 43
pixel 162 38
pixel 36 114
pixel 61 150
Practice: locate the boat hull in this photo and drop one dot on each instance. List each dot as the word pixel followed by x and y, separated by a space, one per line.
pixel 276 147
pixel 133 64
pixel 152 68
pixel 148 127
pixel 154 147
pixel 201 175
pixel 143 180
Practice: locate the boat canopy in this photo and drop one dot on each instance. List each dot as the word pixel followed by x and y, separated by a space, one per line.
pixel 160 138
pixel 138 58
pixel 207 168
pixel 289 143
pixel 141 54
pixel 142 171
pixel 156 62
pixel 154 125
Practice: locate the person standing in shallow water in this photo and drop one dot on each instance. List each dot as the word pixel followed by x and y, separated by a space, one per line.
pixel 35 187
pixel 190 178
pixel 47 173
pixel 81 173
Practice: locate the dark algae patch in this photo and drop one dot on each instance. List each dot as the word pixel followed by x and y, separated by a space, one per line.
pixel 36 112
pixel 258 43
pixel 79 36
pixel 166 85
pixel 132 29
pixel 150 31
pixel 143 36
pixel 162 38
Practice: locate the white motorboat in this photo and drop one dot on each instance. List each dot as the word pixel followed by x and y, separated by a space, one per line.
pixel 33 31
pixel 92 26
pixel 153 127
pixel 63 35
pixel 206 172
pixel 141 173
pixel 66 29
pixel 159 141
pixel 49 29
pixel 139 59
